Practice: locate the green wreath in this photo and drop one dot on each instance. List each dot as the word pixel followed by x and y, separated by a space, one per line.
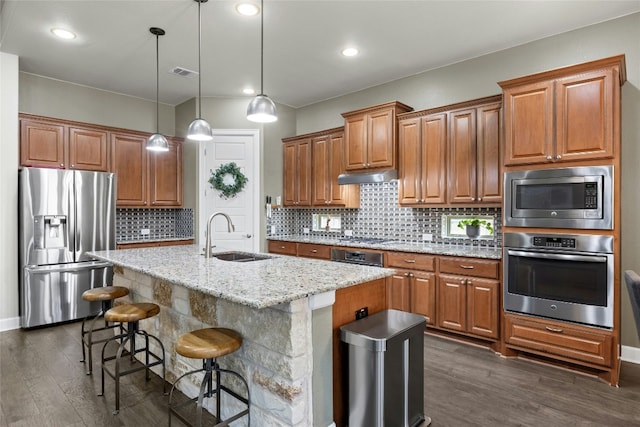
pixel 228 179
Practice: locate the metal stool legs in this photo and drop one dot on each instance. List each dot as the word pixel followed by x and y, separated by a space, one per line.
pixel 129 337
pixel 207 390
pixel 87 340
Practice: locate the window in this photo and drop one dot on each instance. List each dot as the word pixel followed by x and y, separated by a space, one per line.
pixel 451 228
pixel 327 222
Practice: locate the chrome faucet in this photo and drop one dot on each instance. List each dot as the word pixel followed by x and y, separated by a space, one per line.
pixel 230 228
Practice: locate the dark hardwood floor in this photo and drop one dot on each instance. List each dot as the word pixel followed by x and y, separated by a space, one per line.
pixel 42 383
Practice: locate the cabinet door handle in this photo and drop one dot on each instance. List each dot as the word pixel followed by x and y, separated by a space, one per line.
pixel 549 158
pixel 406 274
pixel 556 330
pixel 410 261
pixel 282 247
pixel 314 251
pixel 558 157
pixel 467 267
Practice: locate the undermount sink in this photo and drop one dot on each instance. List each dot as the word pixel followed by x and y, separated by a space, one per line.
pixel 240 256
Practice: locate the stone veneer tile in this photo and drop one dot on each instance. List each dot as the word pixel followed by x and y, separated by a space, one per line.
pixel 286 367
pixel 162 293
pixel 203 307
pixel 281 399
pixel 271 329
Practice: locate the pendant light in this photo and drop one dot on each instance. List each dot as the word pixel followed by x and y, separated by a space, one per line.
pixel 157 141
pixel 262 109
pixel 199 129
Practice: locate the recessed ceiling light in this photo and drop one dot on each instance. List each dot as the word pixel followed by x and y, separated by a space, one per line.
pixel 63 34
pixel 350 51
pixel 247 9
pixel 248 91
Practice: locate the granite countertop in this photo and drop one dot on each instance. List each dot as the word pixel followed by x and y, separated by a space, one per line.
pixel 257 284
pixel 426 248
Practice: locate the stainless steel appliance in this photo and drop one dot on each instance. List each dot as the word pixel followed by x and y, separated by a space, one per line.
pixel 578 197
pixel 560 276
pixel 63 214
pixel 361 257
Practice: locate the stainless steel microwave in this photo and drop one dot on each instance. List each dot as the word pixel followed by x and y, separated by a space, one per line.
pixel 578 197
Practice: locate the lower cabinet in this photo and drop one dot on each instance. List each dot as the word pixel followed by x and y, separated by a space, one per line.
pixel 282 248
pixel 310 250
pixel 468 299
pixel 414 289
pixel 569 342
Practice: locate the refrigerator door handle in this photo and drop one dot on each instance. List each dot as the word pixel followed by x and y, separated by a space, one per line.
pixel 68 268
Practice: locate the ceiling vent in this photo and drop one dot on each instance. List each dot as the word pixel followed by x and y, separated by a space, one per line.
pixel 184 72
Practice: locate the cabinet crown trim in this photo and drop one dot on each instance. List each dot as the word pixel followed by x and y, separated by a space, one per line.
pixel 612 61
pixel 314 134
pixel 393 104
pixel 457 106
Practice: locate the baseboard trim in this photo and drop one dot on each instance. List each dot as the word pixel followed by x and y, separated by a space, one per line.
pixel 9 324
pixel 630 354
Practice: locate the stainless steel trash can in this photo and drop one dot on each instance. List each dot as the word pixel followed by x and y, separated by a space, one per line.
pixel 386 380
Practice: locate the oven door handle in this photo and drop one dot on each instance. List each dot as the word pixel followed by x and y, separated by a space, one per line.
pixel 562 257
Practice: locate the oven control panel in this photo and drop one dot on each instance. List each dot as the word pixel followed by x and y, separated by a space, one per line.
pixel 554 242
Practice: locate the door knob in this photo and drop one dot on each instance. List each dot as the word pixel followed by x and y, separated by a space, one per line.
pixel 248 236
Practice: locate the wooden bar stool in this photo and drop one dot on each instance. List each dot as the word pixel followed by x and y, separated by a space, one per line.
pixel 106 295
pixel 209 344
pixel 131 314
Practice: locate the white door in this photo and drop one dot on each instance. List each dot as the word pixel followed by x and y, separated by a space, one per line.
pixel 243 148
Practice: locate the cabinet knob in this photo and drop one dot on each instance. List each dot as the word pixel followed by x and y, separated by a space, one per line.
pixel 61 165
pixel 479 199
pixel 364 165
pixel 463 282
pixel 557 157
pixel 473 199
pixel 549 158
pixel 406 274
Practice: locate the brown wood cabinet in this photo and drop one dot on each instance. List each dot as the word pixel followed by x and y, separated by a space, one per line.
pixel 475 165
pixel 468 296
pixel 328 162
pixel 165 175
pixel 310 250
pixel 451 155
pixel 564 115
pixel 297 172
pixel 422 160
pixel 413 287
pixel 52 143
pixel 569 342
pixel 146 179
pixel 371 136
pixel 283 248
pixel 137 245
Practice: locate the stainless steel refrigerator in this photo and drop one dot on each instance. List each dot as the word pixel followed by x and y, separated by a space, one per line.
pixel 62 215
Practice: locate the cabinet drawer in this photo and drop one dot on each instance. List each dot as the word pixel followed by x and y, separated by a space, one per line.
pixel 411 261
pixel 314 251
pixel 284 248
pixel 470 267
pixel 569 341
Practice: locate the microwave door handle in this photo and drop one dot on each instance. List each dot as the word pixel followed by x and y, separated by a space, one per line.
pixel 556 256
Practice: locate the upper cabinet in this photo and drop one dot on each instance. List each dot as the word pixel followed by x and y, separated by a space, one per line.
pixel 328 162
pixel 371 136
pixel 297 172
pixel 51 143
pixel 564 115
pixel 312 163
pixel 145 179
pixel 452 155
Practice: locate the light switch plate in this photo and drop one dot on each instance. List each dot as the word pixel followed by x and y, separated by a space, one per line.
pixel 273 229
pixel 427 237
pixel 305 230
pixel 145 231
pixel 348 233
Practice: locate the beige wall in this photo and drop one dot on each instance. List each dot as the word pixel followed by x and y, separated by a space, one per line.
pixel 477 78
pixel 230 113
pixel 9 191
pixel 54 98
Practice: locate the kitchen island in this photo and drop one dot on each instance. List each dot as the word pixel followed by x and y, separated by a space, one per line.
pixel 281 305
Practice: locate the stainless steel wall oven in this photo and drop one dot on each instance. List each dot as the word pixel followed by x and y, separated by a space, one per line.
pixel 561 276
pixel 577 197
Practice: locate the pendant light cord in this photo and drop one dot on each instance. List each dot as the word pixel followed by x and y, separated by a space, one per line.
pixel 261 47
pixel 157 83
pixel 199 60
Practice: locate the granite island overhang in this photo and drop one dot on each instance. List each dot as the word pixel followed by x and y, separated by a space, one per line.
pixel 280 305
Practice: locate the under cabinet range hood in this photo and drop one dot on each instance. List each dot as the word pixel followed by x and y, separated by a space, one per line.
pixel 368 177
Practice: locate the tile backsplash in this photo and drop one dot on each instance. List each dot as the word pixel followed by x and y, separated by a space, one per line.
pixel 380 216
pixel 161 223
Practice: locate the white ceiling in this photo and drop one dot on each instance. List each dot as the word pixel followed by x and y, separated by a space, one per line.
pixel 114 50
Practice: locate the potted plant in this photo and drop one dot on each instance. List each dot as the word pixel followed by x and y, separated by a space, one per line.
pixel 472 226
